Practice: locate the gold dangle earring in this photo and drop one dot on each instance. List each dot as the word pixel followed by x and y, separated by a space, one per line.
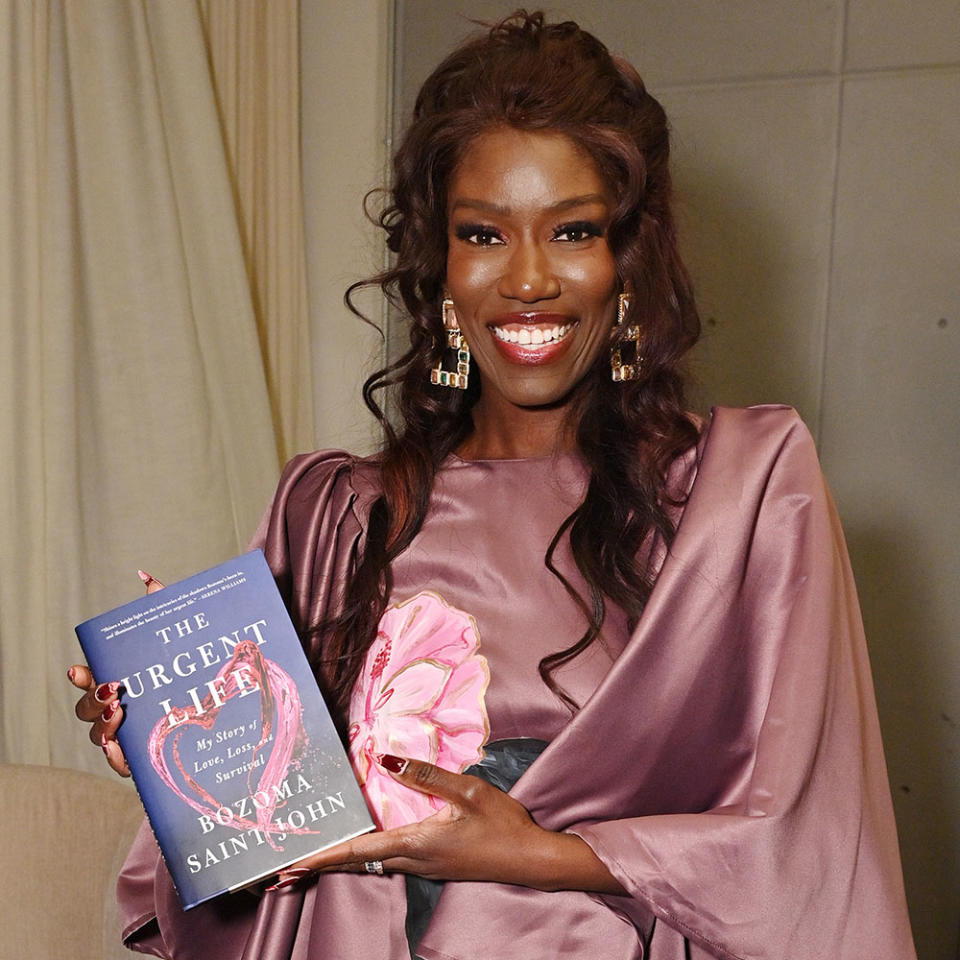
pixel 455 341
pixel 625 334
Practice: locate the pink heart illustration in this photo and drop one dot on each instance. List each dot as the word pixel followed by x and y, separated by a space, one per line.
pixel 280 717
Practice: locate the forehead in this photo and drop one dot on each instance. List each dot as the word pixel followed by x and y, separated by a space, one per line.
pixel 518 169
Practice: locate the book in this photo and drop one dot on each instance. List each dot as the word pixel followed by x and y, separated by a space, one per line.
pixel 231 746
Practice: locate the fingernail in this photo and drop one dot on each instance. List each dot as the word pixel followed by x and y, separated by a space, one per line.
pixel 103 743
pixel 394 764
pixel 285 882
pixel 298 871
pixel 110 709
pixel 145 577
pixel 105 691
pixel 72 674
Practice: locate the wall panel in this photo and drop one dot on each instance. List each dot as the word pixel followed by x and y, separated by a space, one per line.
pixel 754 171
pixel 881 34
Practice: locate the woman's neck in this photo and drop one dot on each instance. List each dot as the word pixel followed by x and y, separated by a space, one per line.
pixel 518 433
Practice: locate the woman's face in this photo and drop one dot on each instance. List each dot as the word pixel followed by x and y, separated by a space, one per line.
pixel 529 268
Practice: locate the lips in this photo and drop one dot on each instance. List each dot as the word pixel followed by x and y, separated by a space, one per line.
pixel 526 336
pixel 531 338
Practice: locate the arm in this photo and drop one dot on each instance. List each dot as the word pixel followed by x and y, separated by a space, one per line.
pixel 482 834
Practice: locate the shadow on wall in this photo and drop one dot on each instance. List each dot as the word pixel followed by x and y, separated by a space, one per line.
pixel 921 737
pixel 749 351
pixel 753 201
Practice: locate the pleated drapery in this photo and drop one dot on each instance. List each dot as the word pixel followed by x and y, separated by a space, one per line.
pixel 143 407
pixel 253 49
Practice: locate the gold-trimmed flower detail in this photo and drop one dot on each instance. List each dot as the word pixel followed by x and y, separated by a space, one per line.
pixel 421 695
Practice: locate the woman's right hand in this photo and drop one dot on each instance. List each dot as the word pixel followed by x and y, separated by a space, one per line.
pixel 100 705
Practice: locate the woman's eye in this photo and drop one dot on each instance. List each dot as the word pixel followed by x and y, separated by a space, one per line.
pixel 478 234
pixel 578 231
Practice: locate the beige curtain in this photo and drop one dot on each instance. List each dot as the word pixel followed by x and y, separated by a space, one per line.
pixel 140 417
pixel 253 48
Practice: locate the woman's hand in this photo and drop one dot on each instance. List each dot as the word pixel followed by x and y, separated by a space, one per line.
pixel 483 834
pixel 100 704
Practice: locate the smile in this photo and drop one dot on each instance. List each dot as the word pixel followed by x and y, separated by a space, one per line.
pixel 532 339
pixel 529 335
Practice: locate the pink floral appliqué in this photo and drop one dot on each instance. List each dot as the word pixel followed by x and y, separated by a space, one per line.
pixel 420 695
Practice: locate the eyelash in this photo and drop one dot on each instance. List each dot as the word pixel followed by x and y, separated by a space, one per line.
pixel 586 227
pixel 481 234
pixel 472 232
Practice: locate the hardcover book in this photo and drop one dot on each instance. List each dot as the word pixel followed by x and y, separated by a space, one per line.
pixel 237 761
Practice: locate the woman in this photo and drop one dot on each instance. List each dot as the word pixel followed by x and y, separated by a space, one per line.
pixel 657 642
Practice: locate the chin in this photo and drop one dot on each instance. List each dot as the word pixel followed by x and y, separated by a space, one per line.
pixel 542 396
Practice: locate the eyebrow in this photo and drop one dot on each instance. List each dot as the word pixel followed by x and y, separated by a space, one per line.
pixel 495 208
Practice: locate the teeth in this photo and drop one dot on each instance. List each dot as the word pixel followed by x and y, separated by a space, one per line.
pixel 532 336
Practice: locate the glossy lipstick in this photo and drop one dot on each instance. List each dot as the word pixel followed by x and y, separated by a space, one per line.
pixel 531 338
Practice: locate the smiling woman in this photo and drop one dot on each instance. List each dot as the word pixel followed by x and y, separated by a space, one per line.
pixel 532 279
pixel 599 663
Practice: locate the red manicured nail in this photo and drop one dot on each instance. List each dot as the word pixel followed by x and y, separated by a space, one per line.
pixel 394 764
pixel 285 882
pixel 105 691
pixel 145 577
pixel 72 674
pixel 110 709
pixel 103 743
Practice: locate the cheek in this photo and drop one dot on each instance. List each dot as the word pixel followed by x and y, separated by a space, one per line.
pixel 470 275
pixel 593 272
pixel 598 286
pixel 605 276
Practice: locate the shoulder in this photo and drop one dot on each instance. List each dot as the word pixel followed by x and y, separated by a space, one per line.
pixel 315 528
pixel 766 424
pixel 316 479
pixel 320 489
pixel 758 499
pixel 737 439
pixel 758 461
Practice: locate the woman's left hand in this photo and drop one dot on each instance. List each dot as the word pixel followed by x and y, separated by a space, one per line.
pixel 482 834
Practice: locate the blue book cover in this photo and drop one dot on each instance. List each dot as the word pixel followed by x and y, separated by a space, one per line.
pixel 237 761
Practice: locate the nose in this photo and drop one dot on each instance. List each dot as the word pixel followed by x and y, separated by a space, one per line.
pixel 528 275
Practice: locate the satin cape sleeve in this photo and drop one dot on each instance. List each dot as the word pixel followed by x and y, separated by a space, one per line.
pixel 740 793
pixel 310 536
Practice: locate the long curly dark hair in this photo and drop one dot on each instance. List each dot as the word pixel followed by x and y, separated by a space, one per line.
pixel 531 75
